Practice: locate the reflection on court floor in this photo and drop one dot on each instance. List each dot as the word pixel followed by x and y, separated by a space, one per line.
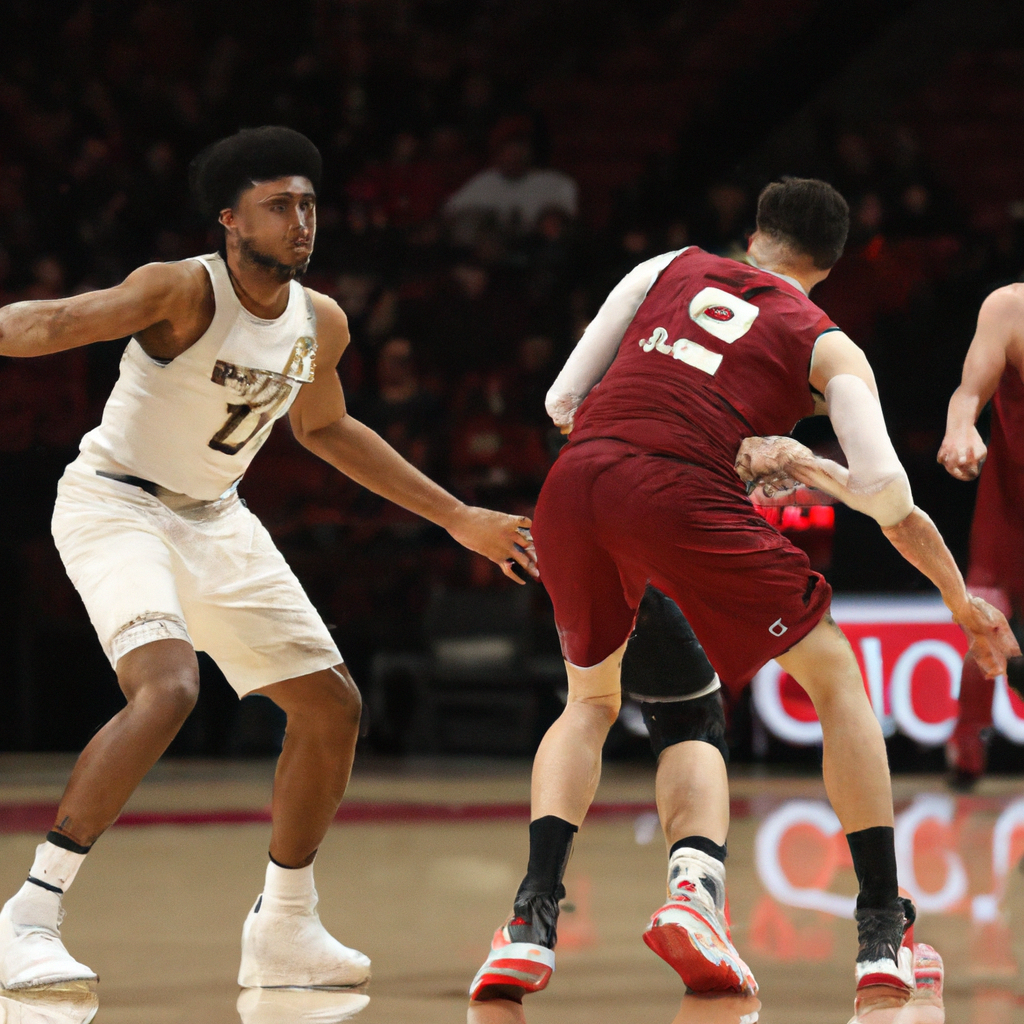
pixel 424 869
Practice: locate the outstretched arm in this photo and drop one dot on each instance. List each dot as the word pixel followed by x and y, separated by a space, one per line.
pixel 594 352
pixel 322 424
pixel 876 484
pixel 147 296
pixel 999 327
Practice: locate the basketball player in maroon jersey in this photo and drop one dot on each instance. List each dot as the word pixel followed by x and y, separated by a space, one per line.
pixel 696 356
pixel 993 370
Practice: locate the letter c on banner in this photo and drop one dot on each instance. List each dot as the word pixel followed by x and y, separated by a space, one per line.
pixel 931 734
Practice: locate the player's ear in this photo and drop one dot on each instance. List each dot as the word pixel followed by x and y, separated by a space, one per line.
pixel 227 218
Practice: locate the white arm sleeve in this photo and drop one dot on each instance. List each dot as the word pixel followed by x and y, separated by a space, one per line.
pixel 877 484
pixel 594 352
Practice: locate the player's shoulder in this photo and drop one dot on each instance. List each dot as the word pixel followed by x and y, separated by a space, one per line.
pixel 172 288
pixel 1007 301
pixel 326 307
pixel 176 274
pixel 331 321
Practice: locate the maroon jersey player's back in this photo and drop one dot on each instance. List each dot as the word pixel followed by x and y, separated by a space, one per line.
pixel 718 351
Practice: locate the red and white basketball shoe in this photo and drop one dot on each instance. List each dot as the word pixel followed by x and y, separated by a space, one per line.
pixel 886 954
pixel 522 955
pixel 690 932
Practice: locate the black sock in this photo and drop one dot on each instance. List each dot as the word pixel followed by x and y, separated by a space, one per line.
pixel 550 846
pixel 702 844
pixel 874 860
pixel 66 844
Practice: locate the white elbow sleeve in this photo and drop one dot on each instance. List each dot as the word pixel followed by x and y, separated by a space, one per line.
pixel 878 484
pixel 594 352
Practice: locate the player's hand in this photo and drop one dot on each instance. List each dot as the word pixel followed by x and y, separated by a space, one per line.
pixel 502 538
pixel 992 640
pixel 963 453
pixel 767 463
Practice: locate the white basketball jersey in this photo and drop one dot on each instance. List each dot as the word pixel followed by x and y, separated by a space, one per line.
pixel 193 424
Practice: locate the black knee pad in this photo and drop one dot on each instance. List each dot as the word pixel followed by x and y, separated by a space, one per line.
pixel 679 721
pixel 663 657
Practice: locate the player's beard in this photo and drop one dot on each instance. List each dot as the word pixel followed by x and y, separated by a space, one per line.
pixel 282 271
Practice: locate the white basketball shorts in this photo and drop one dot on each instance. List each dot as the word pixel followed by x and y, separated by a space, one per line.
pixel 150 568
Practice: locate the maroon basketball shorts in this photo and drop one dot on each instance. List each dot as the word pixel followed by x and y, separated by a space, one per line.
pixel 612 517
pixel 997 531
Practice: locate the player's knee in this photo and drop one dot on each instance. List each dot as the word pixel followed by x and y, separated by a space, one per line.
pixel 607 703
pixel 701 719
pixel 340 700
pixel 172 693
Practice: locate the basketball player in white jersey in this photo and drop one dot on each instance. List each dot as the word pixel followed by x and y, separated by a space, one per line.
pixel 168 560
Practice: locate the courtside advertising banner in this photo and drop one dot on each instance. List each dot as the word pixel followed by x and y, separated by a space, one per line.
pixel 910 653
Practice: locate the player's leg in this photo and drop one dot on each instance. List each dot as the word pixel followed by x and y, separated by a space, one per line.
pixel 108 535
pixel 856 772
pixel 666 670
pixel 594 621
pixel 266 636
pixel 160 681
pixel 566 772
pixel 323 711
pixel 567 768
pixel 283 941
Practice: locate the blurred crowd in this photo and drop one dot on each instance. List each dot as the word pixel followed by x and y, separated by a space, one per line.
pixel 467 253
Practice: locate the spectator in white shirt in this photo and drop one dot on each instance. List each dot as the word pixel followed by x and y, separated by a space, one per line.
pixel 513 193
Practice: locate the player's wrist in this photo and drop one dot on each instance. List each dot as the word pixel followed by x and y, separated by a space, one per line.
pixel 453 515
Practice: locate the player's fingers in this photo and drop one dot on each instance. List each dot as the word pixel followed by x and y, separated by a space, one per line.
pixel 526 558
pixel 506 568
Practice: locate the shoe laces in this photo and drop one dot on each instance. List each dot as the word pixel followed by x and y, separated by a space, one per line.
pixel 880 931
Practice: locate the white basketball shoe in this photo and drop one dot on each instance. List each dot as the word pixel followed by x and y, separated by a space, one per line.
pixel 284 945
pixel 31 952
pixel 690 932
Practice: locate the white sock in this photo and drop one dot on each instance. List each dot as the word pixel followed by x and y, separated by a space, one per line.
pixel 56 866
pixel 289 888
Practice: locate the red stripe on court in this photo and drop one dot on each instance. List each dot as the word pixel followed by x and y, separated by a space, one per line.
pixel 40 817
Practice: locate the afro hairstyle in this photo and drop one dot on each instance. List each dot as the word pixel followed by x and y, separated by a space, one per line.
pixel 223 171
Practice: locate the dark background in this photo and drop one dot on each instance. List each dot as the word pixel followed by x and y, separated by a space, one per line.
pixel 669 115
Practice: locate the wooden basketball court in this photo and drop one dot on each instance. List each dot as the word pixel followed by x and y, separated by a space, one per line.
pixel 423 863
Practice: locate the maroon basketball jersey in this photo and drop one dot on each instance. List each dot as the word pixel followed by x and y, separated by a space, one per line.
pixel 718 351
